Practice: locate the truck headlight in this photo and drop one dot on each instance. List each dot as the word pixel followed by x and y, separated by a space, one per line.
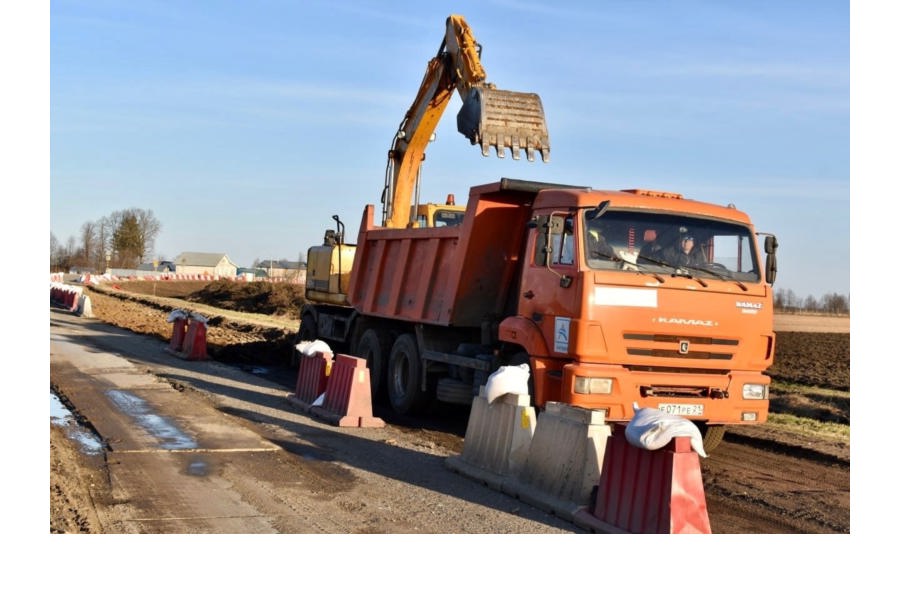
pixel 593 385
pixel 755 391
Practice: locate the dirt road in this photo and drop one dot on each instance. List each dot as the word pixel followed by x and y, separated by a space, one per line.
pixel 202 447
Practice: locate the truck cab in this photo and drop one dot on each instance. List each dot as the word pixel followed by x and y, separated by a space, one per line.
pixel 638 298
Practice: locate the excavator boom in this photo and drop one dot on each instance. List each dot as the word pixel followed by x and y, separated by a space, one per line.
pixel 489 118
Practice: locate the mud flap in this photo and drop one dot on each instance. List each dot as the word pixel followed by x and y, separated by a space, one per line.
pixel 502 119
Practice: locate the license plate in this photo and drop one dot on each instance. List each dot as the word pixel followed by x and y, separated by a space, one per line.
pixel 685 410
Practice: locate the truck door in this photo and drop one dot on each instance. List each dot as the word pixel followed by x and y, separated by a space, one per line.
pixel 548 296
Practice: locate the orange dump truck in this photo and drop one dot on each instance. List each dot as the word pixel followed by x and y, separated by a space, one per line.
pixel 614 299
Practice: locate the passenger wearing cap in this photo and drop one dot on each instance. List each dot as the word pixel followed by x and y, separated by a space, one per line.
pixel 684 253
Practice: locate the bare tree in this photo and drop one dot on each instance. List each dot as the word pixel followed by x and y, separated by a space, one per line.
pixel 790 300
pixel 149 228
pixel 811 304
pixel 104 243
pixel 836 303
pixel 55 254
pixel 88 242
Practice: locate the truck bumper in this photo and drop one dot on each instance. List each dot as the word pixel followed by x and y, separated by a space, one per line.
pixel 711 398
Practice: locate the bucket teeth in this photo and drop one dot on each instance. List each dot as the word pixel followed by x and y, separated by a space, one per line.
pixel 504 120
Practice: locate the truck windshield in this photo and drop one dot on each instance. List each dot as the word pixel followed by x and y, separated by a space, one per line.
pixel 664 243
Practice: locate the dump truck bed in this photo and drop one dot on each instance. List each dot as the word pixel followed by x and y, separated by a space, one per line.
pixel 445 275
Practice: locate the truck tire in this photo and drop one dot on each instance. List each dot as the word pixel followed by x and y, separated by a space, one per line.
pixel 522 358
pixel 404 374
pixel 712 436
pixel 375 347
pixel 454 391
pixel 307 333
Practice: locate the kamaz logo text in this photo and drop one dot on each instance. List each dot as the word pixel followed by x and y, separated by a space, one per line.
pixel 677 321
pixel 756 305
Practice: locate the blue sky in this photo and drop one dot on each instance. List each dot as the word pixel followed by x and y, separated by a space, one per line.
pixel 245 126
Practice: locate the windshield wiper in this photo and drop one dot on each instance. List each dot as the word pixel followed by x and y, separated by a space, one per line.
pixel 721 276
pixel 684 272
pixel 642 270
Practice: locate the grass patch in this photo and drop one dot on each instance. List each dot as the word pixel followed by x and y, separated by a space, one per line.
pixel 785 387
pixel 810 426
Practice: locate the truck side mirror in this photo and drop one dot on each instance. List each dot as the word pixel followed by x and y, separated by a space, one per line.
pixel 771 244
pixel 597 211
pixel 542 224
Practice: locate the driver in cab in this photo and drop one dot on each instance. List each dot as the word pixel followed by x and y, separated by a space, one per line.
pixel 683 253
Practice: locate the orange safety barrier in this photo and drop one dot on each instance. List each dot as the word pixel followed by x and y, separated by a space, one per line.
pixel 648 491
pixel 348 395
pixel 312 378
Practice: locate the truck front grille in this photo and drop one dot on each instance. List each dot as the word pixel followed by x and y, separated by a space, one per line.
pixel 680 347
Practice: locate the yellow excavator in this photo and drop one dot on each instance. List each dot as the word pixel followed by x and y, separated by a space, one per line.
pixel 490 118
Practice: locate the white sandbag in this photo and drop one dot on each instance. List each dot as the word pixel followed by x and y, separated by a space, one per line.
pixel 198 317
pixel 510 379
pixel 311 348
pixel 175 315
pixel 652 429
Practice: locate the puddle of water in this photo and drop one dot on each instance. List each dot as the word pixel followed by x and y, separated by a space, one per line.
pixel 63 417
pixel 256 370
pixel 170 436
pixel 198 468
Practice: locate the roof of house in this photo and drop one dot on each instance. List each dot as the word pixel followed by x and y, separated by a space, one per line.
pixel 281 264
pixel 161 266
pixel 200 259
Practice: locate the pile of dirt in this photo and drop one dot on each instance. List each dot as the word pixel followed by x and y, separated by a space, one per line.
pixel 232 336
pixel 254 297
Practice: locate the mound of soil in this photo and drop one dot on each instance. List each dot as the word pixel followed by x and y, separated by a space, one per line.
pixel 236 332
pixel 256 297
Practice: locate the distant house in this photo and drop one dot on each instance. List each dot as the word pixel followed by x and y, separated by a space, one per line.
pixel 161 266
pixel 251 273
pixel 284 269
pixel 204 263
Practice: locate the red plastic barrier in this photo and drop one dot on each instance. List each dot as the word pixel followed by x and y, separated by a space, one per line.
pixel 312 377
pixel 72 300
pixel 650 491
pixel 179 328
pixel 195 341
pixel 348 395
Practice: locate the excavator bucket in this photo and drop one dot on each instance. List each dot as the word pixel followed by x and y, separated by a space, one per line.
pixel 502 119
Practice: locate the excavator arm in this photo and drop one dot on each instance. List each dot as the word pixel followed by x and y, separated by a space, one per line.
pixel 489 117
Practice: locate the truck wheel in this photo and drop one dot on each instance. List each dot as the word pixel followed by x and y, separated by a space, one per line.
pixel 712 436
pixel 375 346
pixel 307 333
pixel 522 358
pixel 404 375
pixel 454 391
